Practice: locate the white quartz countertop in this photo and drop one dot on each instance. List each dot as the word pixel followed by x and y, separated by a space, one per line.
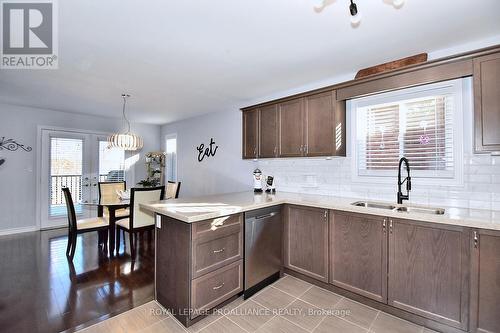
pixel 196 209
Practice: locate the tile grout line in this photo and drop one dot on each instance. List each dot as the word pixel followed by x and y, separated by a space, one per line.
pixel 373 321
pixel 321 308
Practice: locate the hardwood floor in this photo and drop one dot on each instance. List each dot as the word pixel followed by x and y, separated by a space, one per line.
pixel 40 291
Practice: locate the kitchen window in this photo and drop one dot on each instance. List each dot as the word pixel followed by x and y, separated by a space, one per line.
pixel 424 124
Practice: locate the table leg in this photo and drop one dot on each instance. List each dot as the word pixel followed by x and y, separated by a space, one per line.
pixel 100 213
pixel 112 222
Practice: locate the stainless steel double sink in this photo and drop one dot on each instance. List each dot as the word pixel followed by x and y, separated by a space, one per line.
pixel 400 208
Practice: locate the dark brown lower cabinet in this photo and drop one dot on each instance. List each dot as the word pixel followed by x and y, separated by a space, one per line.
pixel 485 281
pixel 198 265
pixel 306 241
pixel 429 271
pixel 358 254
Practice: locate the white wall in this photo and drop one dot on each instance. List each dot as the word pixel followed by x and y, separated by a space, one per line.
pixel 223 173
pixel 18 173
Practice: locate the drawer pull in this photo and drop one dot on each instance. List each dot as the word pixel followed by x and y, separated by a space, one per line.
pixel 219 251
pixel 219 286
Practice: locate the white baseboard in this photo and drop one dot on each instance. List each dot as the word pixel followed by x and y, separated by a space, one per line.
pixel 17 230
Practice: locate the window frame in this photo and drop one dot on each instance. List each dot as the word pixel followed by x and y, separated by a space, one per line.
pixel 460 88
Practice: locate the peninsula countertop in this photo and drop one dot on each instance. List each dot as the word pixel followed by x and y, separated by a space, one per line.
pixel 201 208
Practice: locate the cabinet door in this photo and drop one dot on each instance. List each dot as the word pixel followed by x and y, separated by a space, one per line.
pixel 485 281
pixel 291 125
pixel 487 102
pixel 358 254
pixel 268 129
pixel 250 133
pixel 306 241
pixel 429 270
pixel 319 125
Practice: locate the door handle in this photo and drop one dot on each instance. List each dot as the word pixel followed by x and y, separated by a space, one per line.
pixel 476 239
pixel 219 251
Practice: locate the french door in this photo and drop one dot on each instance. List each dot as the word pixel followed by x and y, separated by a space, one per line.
pixel 77 160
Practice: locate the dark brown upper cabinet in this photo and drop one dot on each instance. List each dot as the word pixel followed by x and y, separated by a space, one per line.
pixel 429 271
pixel 485 281
pixel 487 103
pixel 358 254
pixel 291 128
pixel 319 136
pixel 251 134
pixel 268 129
pixel 313 125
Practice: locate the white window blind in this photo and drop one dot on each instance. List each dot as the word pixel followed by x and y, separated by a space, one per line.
pixel 418 123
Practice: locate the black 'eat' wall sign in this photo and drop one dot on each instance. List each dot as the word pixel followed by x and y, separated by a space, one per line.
pixel 208 151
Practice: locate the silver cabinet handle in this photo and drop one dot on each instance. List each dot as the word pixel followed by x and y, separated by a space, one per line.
pixel 384 225
pixel 219 286
pixel 275 151
pixel 219 251
pixel 476 240
pixel 390 226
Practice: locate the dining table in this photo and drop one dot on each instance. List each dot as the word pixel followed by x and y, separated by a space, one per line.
pixel 112 206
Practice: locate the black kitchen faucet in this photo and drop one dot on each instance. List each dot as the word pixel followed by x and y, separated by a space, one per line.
pixel 402 197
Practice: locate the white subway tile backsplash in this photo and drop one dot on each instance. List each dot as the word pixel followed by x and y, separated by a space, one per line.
pixel 481 188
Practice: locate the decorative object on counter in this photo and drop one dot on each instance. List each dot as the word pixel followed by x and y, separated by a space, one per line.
pixel 353 9
pixel 2 161
pixel 257 180
pixel 155 168
pixel 12 145
pixel 270 186
pixel 128 140
pixel 207 152
pixel 392 65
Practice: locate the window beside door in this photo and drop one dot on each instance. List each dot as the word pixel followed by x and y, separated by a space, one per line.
pixel 424 124
pixel 171 161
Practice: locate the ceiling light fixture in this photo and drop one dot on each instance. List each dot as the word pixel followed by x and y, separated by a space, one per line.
pixel 127 140
pixel 353 9
pixel 355 15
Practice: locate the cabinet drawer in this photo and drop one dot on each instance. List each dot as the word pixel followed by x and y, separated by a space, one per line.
pixel 216 287
pixel 212 254
pixel 216 228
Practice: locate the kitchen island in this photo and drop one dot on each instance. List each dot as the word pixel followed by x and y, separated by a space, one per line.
pixel 336 245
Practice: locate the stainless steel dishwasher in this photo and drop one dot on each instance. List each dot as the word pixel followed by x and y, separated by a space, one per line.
pixel 263 248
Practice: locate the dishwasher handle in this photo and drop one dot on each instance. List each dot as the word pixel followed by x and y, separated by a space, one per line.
pixel 266 216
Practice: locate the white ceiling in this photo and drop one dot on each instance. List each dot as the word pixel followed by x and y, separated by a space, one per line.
pixel 179 59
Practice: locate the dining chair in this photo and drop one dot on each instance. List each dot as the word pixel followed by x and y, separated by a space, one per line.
pixel 140 220
pixel 108 193
pixel 173 189
pixel 76 227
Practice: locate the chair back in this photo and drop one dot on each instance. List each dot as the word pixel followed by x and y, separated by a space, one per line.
pixel 70 208
pixel 173 189
pixel 138 216
pixel 107 191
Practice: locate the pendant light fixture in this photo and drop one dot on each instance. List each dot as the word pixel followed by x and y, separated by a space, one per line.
pixel 127 140
pixel 353 8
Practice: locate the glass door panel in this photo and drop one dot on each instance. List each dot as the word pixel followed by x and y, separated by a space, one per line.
pixel 66 170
